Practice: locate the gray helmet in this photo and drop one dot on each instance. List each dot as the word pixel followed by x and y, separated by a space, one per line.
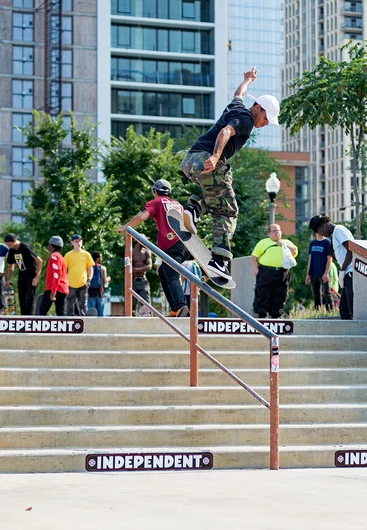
pixel 163 186
pixel 56 241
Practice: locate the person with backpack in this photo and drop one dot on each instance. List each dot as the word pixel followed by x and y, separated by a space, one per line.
pixel 97 284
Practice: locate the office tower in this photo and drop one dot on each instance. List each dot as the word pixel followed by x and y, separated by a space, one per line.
pixel 314 28
pixel 256 39
pixel 37 36
pixel 162 64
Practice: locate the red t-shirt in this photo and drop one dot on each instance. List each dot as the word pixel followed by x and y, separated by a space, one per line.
pixel 158 209
pixel 57 275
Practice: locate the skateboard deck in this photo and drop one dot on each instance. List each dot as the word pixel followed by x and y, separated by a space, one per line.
pixel 9 301
pixel 196 248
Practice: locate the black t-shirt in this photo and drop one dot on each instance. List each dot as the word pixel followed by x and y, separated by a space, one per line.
pixel 236 115
pixel 25 259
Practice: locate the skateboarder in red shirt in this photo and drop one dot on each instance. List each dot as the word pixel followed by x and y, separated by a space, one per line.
pixel 57 285
pixel 167 241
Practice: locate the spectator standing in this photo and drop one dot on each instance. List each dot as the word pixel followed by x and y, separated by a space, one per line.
pixel 194 268
pixel 340 235
pixel 272 280
pixel 57 286
pixel 97 285
pixel 3 253
pixel 142 263
pixel 29 266
pixel 319 263
pixel 80 272
pixel 167 241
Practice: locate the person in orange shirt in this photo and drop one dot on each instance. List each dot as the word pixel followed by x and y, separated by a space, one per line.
pixel 57 285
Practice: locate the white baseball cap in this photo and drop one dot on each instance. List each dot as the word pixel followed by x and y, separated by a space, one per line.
pixel 270 104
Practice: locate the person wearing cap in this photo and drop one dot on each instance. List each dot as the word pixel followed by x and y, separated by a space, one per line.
pixel 340 235
pixel 79 263
pixel 206 164
pixel 57 285
pixel 167 241
pixel 29 266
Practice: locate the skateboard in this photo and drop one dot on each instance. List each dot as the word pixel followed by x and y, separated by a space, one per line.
pixel 197 249
pixel 9 300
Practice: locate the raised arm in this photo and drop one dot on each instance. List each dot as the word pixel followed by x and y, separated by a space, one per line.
pixel 248 78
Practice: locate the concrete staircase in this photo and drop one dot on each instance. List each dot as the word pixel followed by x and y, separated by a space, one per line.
pixel 123 386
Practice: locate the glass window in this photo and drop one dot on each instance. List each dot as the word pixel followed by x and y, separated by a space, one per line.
pixel 22 60
pixel 136 70
pixel 150 8
pixel 175 37
pixel 66 126
pixel 17 219
pixel 188 106
pixel 162 72
pixel 174 9
pixel 67 30
pixel 23 27
pixel 150 103
pixel 121 7
pixel 67 5
pixel 162 104
pixel 188 74
pixel 114 30
pixel 18 188
pixel 175 105
pixel 28 4
pixel 67 96
pixel 150 39
pixel 150 71
pixel 67 63
pixel 162 8
pixel 163 42
pixel 123 102
pixel 175 70
pixel 188 9
pixel 20 120
pixel 22 166
pixel 22 94
pixel 124 37
pixel 188 41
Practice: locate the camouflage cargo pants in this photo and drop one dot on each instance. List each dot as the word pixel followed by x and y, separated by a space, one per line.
pixel 218 198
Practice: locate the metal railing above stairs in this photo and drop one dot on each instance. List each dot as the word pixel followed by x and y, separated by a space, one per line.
pixel 193 338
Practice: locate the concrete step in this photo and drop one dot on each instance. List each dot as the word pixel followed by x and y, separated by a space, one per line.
pixel 131 396
pixel 50 460
pixel 178 435
pixel 175 359
pixel 128 342
pixel 11 416
pixel 150 377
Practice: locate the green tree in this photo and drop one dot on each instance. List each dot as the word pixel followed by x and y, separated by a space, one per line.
pixel 67 201
pixel 334 94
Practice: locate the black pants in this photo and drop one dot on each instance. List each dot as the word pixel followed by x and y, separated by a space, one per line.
pixel 170 279
pixel 59 303
pixel 346 300
pixel 271 291
pixel 1 293
pixel 142 288
pixel 316 285
pixel 27 295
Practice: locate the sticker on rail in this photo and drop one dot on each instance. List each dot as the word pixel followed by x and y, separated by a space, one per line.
pixel 41 325
pixel 351 458
pixel 239 327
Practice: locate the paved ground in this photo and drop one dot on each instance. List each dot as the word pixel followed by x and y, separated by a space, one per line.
pixel 291 499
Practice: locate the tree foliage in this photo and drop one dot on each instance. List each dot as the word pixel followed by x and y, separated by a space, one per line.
pixel 334 94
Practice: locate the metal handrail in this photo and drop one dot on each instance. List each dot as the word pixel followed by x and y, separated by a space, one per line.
pixel 197 283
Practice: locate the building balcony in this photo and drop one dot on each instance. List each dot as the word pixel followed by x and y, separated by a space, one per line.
pixel 180 78
pixel 352 25
pixel 352 9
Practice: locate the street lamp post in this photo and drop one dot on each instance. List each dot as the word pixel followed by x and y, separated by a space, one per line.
pixel 272 187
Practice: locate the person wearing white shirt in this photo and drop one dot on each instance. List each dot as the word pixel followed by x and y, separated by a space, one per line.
pixel 340 235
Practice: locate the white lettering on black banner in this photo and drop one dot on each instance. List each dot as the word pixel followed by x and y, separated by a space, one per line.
pixel 41 325
pixel 360 266
pixel 149 462
pixel 239 327
pixel 350 458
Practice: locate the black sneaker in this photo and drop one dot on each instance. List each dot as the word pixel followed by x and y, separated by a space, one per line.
pixel 191 218
pixel 219 265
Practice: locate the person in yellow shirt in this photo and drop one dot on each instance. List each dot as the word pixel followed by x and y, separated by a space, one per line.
pixel 272 280
pixel 80 272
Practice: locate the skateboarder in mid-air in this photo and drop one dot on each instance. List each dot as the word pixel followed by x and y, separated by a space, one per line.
pixel 206 165
pixel 167 241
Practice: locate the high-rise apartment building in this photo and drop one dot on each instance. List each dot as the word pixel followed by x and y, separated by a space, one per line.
pixel 48 51
pixel 161 63
pixel 314 28
pixel 256 39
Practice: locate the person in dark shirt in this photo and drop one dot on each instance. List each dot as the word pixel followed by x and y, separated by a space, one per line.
pixel 319 263
pixel 206 165
pixel 29 265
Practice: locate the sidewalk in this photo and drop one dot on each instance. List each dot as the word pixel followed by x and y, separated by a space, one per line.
pixel 216 500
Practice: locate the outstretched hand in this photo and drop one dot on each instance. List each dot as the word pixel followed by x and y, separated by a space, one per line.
pixel 250 75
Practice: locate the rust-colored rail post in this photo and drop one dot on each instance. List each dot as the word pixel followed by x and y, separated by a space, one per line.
pixel 128 274
pixel 274 403
pixel 194 335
